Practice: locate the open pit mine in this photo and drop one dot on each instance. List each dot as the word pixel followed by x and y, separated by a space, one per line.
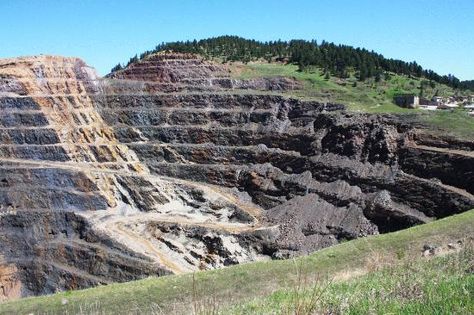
pixel 171 166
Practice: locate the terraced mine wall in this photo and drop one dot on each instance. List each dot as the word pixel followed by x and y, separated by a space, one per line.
pixel 171 166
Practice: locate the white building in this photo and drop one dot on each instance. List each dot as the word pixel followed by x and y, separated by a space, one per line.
pixel 438 100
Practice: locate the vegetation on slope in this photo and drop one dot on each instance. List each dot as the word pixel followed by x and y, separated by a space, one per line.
pixel 367 96
pixel 335 60
pixel 457 122
pixel 442 285
pixel 414 283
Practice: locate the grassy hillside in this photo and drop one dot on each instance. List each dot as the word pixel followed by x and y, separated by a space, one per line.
pixel 385 272
pixel 366 96
pixel 442 285
pixel 457 123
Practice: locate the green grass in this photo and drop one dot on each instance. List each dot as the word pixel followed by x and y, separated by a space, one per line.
pixel 368 96
pixel 240 284
pixel 456 122
pixel 442 285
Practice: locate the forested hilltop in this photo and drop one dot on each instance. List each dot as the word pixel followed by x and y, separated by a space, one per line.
pixel 335 60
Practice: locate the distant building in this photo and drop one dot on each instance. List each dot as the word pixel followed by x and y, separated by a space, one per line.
pixel 438 100
pixel 451 100
pixel 470 109
pixel 407 100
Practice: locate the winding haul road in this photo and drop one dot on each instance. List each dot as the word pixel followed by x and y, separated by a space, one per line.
pixel 126 225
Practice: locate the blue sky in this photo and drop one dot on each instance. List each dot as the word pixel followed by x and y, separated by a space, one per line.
pixel 438 34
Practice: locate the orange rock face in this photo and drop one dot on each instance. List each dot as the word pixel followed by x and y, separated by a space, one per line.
pixel 10 284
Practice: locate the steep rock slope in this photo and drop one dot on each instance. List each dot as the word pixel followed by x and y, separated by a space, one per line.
pixel 171 166
pixel 62 165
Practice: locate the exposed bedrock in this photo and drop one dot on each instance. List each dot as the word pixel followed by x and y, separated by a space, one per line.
pixel 53 251
pixel 186 72
pixel 276 149
pixel 172 165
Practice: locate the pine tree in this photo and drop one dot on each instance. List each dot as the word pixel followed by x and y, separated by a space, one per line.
pixel 378 76
pixel 117 68
pixel 363 72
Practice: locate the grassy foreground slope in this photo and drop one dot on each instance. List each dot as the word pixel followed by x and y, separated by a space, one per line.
pixel 367 96
pixel 441 285
pixel 270 286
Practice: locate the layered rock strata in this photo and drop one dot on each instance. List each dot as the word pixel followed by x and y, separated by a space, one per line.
pixel 171 166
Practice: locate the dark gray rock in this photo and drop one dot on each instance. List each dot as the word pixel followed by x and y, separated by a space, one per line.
pixel 293 176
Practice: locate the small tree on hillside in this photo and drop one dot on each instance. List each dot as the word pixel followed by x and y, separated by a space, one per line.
pixel 117 68
pixel 363 73
pixel 378 77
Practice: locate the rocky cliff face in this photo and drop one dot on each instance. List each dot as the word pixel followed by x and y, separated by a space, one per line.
pixel 171 166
